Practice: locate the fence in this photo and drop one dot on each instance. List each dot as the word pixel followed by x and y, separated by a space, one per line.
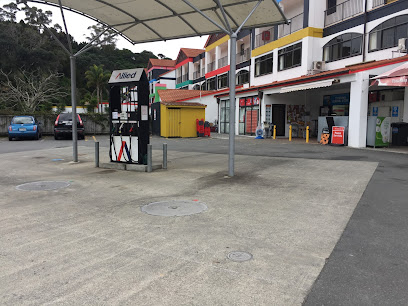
pixel 296 24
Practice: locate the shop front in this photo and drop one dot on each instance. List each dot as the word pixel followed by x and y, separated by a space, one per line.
pixel 249 112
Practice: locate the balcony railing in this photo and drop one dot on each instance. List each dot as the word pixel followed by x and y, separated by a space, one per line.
pixel 343 11
pixel 381 2
pixel 211 66
pixel 296 24
pixel 244 56
pixel 265 37
pixel 222 62
pixel 179 80
pixel 185 77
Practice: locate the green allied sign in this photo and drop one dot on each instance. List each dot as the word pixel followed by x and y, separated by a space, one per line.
pixel 382 131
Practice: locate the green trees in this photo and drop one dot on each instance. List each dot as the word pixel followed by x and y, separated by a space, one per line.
pixel 97 78
pixel 27 49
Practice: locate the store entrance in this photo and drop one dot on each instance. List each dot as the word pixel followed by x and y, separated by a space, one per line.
pixel 278 118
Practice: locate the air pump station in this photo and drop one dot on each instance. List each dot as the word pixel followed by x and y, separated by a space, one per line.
pixel 129 116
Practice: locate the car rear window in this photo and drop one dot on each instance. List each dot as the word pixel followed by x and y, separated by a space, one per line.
pixel 66 117
pixel 22 120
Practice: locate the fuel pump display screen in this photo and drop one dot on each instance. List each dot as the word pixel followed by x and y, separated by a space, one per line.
pixel 129 128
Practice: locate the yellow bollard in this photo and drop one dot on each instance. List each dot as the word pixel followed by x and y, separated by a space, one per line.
pixel 307 134
pixel 274 131
pixel 290 132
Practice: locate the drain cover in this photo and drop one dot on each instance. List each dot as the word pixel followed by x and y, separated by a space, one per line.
pixel 174 208
pixel 239 256
pixel 44 185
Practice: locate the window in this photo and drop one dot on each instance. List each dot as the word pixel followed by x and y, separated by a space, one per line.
pixel 242 77
pixel 211 84
pixel 290 57
pixel 387 34
pixel 343 46
pixel 263 64
pixel 203 86
pixel 196 87
pixel 223 81
pixel 331 6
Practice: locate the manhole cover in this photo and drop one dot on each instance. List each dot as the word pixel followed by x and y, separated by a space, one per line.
pixel 45 185
pixel 174 208
pixel 239 256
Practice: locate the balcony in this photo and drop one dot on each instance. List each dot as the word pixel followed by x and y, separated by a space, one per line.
pixel 222 62
pixel 343 11
pixel 211 67
pixel 203 72
pixel 377 3
pixel 179 80
pixel 296 24
pixel 244 56
pixel 265 37
pixel 185 77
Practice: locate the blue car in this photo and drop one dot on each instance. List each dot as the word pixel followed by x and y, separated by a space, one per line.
pixel 24 127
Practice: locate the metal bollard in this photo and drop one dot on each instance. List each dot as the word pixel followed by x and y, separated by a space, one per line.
pixel 97 154
pixel 149 158
pixel 307 134
pixel 164 155
pixel 290 132
pixel 274 132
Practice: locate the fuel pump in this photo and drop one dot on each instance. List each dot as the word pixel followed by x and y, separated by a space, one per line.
pixel 129 116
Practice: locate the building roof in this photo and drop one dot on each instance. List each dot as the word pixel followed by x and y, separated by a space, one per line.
pixel 192 52
pixel 162 62
pixel 174 95
pixel 213 38
pixel 183 104
pixel 351 69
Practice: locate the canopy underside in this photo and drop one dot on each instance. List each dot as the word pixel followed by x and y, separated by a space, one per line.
pixel 153 20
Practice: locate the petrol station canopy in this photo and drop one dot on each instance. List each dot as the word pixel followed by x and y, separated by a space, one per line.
pixel 143 21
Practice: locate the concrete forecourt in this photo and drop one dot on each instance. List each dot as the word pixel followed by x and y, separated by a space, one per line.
pixel 92 242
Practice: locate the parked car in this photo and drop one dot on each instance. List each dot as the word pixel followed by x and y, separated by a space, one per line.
pixel 63 126
pixel 24 127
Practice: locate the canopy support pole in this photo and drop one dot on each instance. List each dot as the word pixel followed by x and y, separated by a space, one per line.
pixel 73 103
pixel 233 65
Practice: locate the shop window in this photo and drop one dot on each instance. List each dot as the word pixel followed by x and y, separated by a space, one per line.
pixel 224 116
pixel 343 46
pixel 211 85
pixel 223 81
pixel 387 34
pixel 290 57
pixel 263 64
pixel 242 77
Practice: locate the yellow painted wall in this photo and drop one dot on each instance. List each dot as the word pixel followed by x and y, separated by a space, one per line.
pixel 286 40
pixel 188 117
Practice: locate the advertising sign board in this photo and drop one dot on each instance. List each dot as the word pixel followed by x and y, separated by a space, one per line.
pixel 337 136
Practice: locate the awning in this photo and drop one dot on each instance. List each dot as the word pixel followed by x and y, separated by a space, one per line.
pixel 394 77
pixel 311 85
pixel 153 20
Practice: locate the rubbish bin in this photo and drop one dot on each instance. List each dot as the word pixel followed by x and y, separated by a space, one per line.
pixel 399 133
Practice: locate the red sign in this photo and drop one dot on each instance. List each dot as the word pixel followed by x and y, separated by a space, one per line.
pixel 337 136
pixel 248 101
pixel 242 102
pixel 395 81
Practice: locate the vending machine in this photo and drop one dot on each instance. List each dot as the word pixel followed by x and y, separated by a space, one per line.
pixel 129 116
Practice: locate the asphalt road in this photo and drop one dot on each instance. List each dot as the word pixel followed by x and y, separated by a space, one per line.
pixel 369 265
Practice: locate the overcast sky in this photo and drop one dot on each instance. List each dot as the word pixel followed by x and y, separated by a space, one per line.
pixel 77 27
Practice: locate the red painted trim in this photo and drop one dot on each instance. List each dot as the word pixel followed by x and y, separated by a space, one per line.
pixel 188 60
pixel 216 72
pixel 379 66
pixel 210 94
